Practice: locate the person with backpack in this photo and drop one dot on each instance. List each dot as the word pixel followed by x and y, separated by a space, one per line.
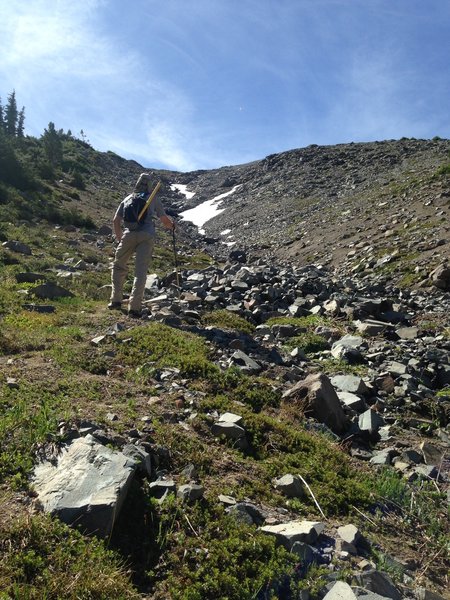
pixel 134 229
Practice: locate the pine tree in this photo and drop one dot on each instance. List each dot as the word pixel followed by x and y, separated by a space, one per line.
pixel 2 118
pixel 11 114
pixel 21 123
pixel 52 145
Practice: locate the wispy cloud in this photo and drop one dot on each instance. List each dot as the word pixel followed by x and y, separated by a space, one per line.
pixel 109 84
pixel 164 83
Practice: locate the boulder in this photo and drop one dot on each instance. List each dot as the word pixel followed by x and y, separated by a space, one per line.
pixel 51 291
pixel 440 277
pixel 85 486
pixel 318 398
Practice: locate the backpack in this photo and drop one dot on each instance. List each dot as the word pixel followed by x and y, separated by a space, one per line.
pixel 132 208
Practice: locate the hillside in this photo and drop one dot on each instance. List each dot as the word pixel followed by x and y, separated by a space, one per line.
pixel 280 416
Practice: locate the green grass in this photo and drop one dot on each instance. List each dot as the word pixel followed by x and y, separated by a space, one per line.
pixel 421 504
pixel 42 558
pixel 28 418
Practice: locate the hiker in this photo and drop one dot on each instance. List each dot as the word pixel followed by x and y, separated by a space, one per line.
pixel 135 238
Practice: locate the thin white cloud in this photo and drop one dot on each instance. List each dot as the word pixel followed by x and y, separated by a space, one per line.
pixel 108 88
pixel 164 85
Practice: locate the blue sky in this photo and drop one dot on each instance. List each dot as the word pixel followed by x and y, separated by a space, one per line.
pixel 203 84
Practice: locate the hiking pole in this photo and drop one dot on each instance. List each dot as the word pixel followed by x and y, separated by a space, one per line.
pixel 175 259
pixel 149 201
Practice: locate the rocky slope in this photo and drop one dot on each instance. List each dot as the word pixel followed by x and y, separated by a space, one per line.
pixel 346 206
pixel 295 388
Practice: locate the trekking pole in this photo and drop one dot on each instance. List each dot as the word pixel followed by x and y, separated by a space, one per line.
pixel 175 259
pixel 149 201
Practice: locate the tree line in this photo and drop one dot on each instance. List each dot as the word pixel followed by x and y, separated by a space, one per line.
pixel 22 157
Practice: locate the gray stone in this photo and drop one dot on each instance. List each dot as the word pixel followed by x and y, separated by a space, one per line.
pixel 295 531
pixel 229 417
pixel 352 401
pixel 349 342
pixel 40 308
pixel 318 398
pixel 86 485
pixel 383 457
pixel 340 591
pixel 407 333
pixel 190 492
pixel 426 471
pixel 380 583
pixel 350 534
pixel 290 485
pixel 161 487
pixel 370 421
pixel 306 553
pixel 18 247
pixel 424 594
pixel 370 328
pixel 141 457
pixel 349 383
pixel 51 291
pixel 396 368
pixel 441 277
pixel 431 454
pixel 28 277
pixel 246 512
pixel 232 432
pixel 365 595
pixel 244 362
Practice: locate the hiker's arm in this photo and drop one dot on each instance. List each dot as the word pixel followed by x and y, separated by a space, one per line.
pixel 117 224
pixel 167 222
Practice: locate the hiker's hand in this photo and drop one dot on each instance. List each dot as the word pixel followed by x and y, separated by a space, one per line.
pixel 168 222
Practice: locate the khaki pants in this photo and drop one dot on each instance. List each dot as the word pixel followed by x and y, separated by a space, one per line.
pixel 141 243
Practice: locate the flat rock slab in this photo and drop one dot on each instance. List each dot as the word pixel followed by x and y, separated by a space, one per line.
pixel 295 531
pixel 86 486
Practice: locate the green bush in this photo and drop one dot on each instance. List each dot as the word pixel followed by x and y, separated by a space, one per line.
pixel 157 346
pixel 228 320
pixel 225 559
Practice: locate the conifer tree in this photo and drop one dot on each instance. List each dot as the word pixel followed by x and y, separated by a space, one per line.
pixel 11 114
pixel 2 118
pixel 21 123
pixel 52 145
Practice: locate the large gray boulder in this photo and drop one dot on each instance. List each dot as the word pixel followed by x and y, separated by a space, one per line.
pixel 86 485
pixel 316 396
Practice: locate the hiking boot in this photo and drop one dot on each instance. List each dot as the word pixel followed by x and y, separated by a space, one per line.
pixel 134 314
pixel 115 305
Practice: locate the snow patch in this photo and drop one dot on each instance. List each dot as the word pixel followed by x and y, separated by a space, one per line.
pixel 206 210
pixel 183 189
